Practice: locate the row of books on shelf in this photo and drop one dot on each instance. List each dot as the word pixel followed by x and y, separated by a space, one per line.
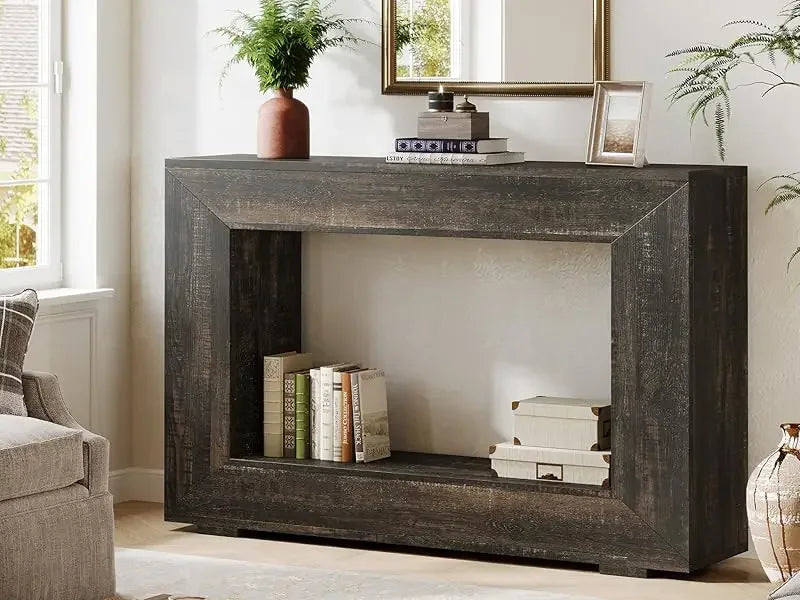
pixel 336 412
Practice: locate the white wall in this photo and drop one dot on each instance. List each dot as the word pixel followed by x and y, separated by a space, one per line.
pixel 495 320
pixel 64 342
pixel 549 41
pixel 113 242
pixel 88 344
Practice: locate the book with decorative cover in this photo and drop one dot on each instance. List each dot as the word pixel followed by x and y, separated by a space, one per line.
pixel 358 439
pixel 302 436
pixel 315 414
pixel 374 414
pixel 289 409
pixel 337 416
pixel 432 158
pixel 449 146
pixel 275 367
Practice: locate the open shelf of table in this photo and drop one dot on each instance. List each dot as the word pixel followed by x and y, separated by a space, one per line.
pixel 421 467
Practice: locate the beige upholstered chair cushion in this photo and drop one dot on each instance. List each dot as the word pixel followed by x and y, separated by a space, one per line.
pixel 17 315
pixel 37 456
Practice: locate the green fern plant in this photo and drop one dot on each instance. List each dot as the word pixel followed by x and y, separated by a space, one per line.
pixel 705 72
pixel 281 42
pixel 787 191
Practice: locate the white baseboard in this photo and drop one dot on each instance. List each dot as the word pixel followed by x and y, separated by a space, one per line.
pixel 136 483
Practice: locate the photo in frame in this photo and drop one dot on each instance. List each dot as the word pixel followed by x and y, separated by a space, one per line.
pixel 619 124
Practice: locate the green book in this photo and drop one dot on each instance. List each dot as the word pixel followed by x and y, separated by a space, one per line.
pixel 302 416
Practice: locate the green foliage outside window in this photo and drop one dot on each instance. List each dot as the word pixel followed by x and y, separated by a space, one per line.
pixel 427 36
pixel 19 203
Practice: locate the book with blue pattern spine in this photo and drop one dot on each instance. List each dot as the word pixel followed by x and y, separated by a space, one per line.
pixel 487 146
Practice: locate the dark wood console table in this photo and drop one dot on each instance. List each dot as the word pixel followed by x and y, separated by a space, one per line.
pixel 679 357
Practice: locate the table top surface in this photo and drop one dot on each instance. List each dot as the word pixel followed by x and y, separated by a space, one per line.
pixel 528 169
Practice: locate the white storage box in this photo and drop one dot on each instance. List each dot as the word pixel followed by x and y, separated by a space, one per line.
pixel 568 423
pixel 550 464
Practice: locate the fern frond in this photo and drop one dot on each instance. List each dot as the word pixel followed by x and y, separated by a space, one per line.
pixel 705 68
pixel 719 129
pixel 791 10
pixel 788 191
pixel 704 49
pixel 794 255
pixel 281 42
pixel 680 92
pixel 747 22
pixel 780 199
pixel 790 176
pixel 753 39
pixel 726 101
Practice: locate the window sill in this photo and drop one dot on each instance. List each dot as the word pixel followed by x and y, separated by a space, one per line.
pixel 62 296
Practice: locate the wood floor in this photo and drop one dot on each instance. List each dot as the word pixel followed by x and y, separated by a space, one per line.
pixel 141 525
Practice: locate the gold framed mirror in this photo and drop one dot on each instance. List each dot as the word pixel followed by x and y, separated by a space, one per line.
pixel 490 47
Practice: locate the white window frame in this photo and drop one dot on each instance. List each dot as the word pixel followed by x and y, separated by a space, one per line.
pixel 47 273
pixel 456 41
pixel 472 51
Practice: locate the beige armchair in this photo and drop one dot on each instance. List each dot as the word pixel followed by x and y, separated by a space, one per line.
pixel 56 513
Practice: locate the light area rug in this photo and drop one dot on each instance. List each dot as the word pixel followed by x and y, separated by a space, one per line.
pixel 144 573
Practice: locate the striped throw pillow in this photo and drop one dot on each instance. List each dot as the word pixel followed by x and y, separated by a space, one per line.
pixel 17 315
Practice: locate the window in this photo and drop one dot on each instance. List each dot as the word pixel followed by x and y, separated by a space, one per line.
pixel 30 141
pixel 429 39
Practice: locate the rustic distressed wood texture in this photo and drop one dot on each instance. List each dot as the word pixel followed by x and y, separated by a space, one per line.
pixel 265 296
pixel 650 375
pixel 679 356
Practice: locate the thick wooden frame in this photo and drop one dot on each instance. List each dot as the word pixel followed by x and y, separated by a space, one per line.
pixel 602 66
pixel 678 239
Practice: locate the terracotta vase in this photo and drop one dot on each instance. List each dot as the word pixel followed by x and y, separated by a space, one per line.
pixel 283 127
pixel 773 507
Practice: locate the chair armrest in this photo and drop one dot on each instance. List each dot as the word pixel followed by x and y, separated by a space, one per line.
pixel 44 401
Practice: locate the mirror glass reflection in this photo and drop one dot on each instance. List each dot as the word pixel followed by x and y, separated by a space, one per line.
pixel 495 40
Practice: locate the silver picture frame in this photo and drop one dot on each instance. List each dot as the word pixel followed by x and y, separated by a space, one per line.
pixel 618 134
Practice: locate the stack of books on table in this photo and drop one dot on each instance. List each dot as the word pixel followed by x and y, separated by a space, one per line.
pixel 336 412
pixel 557 439
pixel 453 138
pixel 430 151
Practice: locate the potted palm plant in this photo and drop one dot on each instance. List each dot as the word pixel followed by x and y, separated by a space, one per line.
pixel 280 43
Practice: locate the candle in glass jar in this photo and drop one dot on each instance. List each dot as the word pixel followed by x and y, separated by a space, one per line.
pixel 440 101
